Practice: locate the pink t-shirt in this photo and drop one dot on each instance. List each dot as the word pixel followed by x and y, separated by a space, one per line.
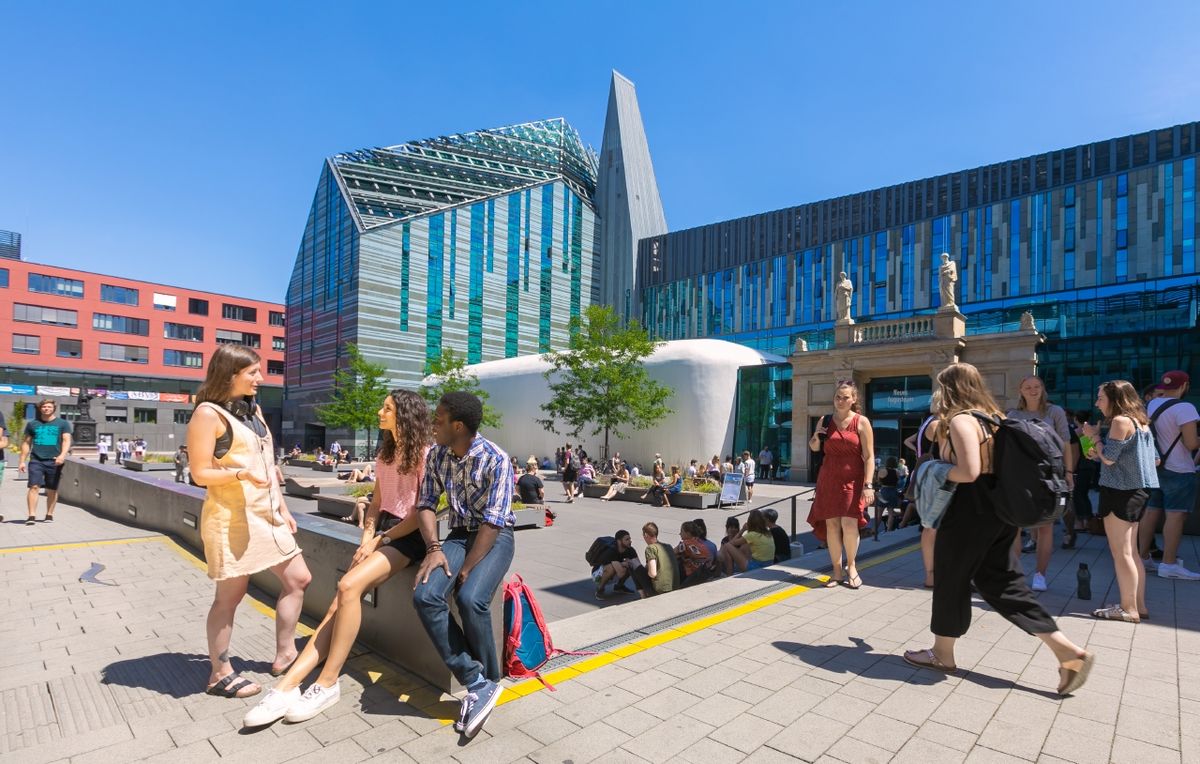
pixel 398 490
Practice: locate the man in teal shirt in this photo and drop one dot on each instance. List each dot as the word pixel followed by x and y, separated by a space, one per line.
pixel 45 447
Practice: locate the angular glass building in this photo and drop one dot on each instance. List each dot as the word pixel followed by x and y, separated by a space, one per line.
pixel 1098 241
pixel 482 242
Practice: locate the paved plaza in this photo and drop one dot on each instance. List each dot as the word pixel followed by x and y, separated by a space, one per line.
pixel 112 670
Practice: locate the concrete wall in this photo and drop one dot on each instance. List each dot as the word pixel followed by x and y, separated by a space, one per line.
pixel 389 625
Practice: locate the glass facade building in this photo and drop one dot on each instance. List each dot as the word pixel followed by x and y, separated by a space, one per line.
pixel 483 243
pixel 1097 241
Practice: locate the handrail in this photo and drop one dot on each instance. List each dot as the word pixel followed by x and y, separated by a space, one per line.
pixel 791 499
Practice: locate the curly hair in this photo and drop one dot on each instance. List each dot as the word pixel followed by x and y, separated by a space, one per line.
pixel 413 434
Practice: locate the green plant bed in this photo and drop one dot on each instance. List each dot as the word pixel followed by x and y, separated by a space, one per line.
pixel 159 458
pixel 641 481
pixel 700 486
pixel 360 489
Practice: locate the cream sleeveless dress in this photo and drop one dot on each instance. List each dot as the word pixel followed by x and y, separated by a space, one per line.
pixel 241 525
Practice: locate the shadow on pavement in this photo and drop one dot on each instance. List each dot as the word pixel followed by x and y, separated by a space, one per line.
pixel 178 675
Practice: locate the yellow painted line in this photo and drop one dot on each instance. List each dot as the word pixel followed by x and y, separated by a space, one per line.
pixel 566 673
pixel 77 545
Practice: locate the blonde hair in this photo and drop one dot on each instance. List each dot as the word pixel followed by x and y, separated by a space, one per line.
pixel 1043 403
pixel 963 389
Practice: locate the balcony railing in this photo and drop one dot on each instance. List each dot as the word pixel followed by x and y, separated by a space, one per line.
pixel 900 330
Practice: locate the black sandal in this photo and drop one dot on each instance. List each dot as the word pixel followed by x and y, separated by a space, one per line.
pixel 230 685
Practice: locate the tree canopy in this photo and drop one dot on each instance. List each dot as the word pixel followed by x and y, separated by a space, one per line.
pixel 599 384
pixel 358 392
pixel 451 375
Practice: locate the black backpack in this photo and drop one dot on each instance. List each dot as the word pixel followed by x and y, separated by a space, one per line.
pixel 1029 481
pixel 1162 455
pixel 598 547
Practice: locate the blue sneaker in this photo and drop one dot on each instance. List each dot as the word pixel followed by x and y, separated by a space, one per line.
pixel 460 724
pixel 479 707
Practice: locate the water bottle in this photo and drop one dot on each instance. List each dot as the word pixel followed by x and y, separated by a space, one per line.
pixel 1084 577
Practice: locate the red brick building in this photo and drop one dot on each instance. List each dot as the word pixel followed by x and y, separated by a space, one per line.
pixel 137 345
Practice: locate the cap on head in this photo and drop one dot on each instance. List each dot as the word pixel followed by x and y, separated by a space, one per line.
pixel 1173 380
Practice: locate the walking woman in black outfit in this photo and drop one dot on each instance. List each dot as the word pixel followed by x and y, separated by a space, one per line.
pixel 974 545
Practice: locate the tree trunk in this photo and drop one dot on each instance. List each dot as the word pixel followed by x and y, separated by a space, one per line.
pixel 606 444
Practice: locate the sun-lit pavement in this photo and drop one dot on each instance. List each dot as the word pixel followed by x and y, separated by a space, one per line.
pixel 96 672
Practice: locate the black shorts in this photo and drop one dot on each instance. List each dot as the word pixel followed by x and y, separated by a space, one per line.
pixel 1123 505
pixel 570 474
pixel 45 474
pixel 411 546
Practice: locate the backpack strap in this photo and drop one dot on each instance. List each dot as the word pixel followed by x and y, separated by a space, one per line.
pixel 1162 455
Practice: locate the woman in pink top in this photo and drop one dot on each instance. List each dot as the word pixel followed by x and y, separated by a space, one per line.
pixel 399 466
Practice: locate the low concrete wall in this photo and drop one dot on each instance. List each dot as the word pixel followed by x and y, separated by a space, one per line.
pixel 389 625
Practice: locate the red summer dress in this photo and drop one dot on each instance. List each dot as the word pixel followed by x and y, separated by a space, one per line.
pixel 840 482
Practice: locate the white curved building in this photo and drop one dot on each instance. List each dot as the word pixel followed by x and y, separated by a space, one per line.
pixel 702 372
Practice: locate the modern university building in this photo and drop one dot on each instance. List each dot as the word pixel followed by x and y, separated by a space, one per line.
pixel 1098 242
pixel 484 243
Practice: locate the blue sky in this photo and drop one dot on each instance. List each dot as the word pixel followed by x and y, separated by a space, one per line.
pixel 181 142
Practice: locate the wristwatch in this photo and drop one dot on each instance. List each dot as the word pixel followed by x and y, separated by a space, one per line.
pixel 384 539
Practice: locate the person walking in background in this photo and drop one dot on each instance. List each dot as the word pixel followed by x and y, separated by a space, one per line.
pixel 1127 473
pixel 101 450
pixel 245 525
pixel 1173 423
pixel 44 449
pixel 764 463
pixel 475 556
pixel 844 484
pixel 570 473
pixel 390 542
pixel 123 451
pixel 1087 472
pixel 182 473
pixel 974 546
pixel 1035 405
pixel 887 479
pixel 749 472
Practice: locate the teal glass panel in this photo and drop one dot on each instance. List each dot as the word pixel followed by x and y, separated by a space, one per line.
pixel 475 287
pixel 433 304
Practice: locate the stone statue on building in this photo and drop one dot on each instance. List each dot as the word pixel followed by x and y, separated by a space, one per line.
pixel 1027 324
pixel 947 280
pixel 801 345
pixel 842 293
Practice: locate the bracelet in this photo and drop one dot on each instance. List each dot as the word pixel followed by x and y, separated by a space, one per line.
pixel 434 547
pixel 237 475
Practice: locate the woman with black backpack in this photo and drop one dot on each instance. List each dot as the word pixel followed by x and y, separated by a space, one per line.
pixel 974 545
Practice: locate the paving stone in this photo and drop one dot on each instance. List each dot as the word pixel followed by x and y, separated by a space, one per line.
pixel 1022 739
pixel 855 750
pixel 508 745
pixel 942 734
pixel 709 751
pixel 386 737
pixel 342 752
pixel 882 732
pixel 187 734
pixel 668 738
pixel 667 703
pixel 717 710
pixel 1159 728
pixel 1078 740
pixel 548 729
pixel 598 706
pixel 128 750
pixel 194 753
pixel 809 736
pixel 921 751
pixel 633 721
pixel 618 756
pixel 580 746
pixel 278 749
pixel 787 705
pixel 844 708
pixel 746 733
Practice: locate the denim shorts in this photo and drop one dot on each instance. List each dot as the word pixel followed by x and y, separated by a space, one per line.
pixel 753 564
pixel 44 474
pixel 1176 491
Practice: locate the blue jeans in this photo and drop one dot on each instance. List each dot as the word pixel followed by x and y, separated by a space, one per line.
pixel 468 650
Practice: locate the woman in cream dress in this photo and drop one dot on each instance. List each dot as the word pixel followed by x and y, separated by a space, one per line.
pixel 245 525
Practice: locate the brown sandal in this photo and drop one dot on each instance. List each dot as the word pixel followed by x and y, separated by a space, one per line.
pixel 231 686
pixel 926 659
pixel 1071 679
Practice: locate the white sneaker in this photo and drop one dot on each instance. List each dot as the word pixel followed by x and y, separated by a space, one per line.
pixel 1039 583
pixel 271 708
pixel 1177 571
pixel 1150 565
pixel 314 700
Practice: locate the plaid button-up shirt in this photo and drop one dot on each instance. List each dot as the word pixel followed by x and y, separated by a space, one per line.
pixel 478 486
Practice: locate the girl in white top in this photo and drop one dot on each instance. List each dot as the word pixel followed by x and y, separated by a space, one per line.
pixel 1035 405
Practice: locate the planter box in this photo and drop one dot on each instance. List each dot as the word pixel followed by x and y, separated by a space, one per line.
pixel 308 489
pixel 137 465
pixel 321 467
pixel 694 500
pixel 531 516
pixel 337 506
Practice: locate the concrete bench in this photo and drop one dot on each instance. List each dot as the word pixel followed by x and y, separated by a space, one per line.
pixel 683 499
pixel 390 625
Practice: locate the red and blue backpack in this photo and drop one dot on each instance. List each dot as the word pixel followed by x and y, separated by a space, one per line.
pixel 527 643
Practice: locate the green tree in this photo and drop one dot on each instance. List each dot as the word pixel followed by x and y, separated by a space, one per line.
pixel 358 391
pixel 451 375
pixel 16 426
pixel 600 383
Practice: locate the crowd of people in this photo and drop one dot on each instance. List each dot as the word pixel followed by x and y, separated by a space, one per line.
pixel 755 543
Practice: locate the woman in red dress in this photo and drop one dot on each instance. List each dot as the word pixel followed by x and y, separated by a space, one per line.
pixel 844 483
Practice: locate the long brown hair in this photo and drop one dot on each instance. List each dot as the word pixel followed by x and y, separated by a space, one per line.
pixel 852 387
pixel 226 363
pixel 1123 400
pixel 414 428
pixel 756 522
pixel 1043 402
pixel 963 389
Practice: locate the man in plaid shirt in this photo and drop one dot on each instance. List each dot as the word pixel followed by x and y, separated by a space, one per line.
pixel 476 477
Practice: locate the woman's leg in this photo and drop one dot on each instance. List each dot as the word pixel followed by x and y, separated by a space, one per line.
pixel 220 625
pixel 739 556
pixel 315 651
pixel 850 541
pixel 833 539
pixel 1121 545
pixel 294 578
pixel 1045 546
pixel 371 572
pixel 928 538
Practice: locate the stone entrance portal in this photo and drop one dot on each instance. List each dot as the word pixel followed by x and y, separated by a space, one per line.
pixel 894 364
